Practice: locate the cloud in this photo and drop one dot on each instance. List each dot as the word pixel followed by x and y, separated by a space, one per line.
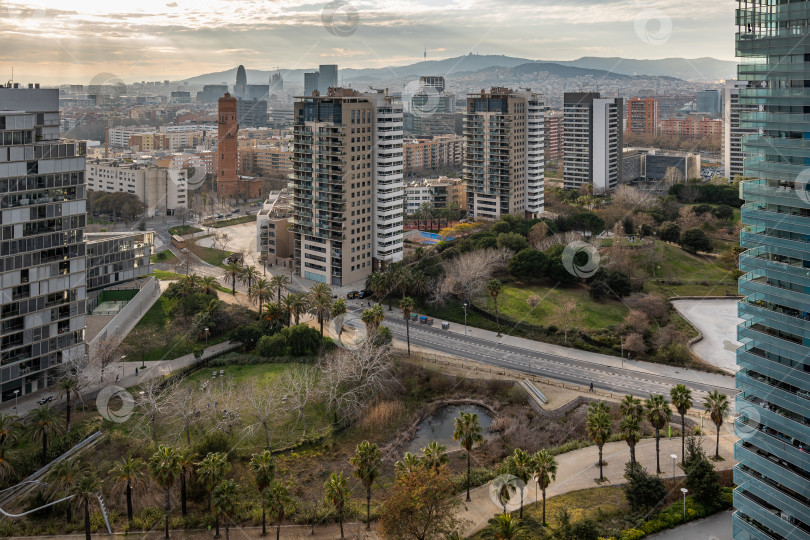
pixel 187 37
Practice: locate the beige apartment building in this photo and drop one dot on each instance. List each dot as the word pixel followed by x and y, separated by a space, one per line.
pixel 434 154
pixel 348 193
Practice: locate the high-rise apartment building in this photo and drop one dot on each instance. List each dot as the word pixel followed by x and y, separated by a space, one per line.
pixel 733 155
pixel 42 251
pixel 503 153
pixel 348 193
pixel 642 116
pixel 327 77
pixel 708 101
pixel 432 107
pixel 553 141
pixel 251 113
pixel 592 141
pixel 310 82
pixel 772 498
pixel 440 152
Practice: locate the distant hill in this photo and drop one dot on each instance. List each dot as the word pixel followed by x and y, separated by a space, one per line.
pixel 699 69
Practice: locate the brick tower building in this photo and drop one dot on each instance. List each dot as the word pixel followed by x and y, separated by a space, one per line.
pixel 228 168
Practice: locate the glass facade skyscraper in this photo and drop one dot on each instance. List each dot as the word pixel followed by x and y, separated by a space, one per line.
pixel 773 424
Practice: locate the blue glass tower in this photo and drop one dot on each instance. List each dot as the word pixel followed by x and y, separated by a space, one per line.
pixel 773 475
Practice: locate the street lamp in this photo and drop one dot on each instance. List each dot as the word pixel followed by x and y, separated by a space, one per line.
pixel 16 393
pixel 684 491
pixel 465 318
pixel 674 457
pixel 206 336
pixel 123 357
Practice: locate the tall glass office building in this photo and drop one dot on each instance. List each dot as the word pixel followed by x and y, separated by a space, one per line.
pixel 773 475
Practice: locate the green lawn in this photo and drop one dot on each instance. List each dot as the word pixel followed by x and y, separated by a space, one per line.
pixel 268 373
pixel 231 221
pixel 166 256
pixel 166 276
pixel 595 315
pixel 210 255
pixel 700 275
pixel 184 229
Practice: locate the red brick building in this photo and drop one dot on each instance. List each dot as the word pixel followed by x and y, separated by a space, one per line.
pixel 692 126
pixel 642 116
pixel 228 163
pixel 554 136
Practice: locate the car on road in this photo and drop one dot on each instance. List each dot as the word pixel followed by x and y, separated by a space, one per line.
pixel 46 399
pixel 352 295
pixel 365 293
pixel 220 216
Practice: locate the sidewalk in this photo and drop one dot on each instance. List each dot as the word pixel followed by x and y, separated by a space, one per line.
pixel 577 470
pixel 724 382
pixel 127 378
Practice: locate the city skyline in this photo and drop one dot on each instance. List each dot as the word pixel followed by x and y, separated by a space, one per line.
pixel 176 40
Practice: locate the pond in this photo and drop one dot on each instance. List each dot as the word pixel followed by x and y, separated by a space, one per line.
pixel 440 426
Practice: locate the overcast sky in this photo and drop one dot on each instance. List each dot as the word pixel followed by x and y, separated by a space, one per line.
pixel 52 41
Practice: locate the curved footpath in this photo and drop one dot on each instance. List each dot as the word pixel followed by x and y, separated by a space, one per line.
pixel 578 470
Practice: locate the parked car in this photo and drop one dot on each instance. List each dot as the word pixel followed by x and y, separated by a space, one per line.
pixel 365 293
pixel 220 216
pixel 353 295
pixel 46 399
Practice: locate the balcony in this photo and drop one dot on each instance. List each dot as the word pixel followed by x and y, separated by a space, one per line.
pixel 769 516
pixel 755 359
pixel 768 489
pixel 759 386
pixel 768 440
pixel 772 467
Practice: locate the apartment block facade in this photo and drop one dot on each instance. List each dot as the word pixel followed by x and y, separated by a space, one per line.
pixel 348 192
pixel 642 116
pixel 164 191
pixel 42 250
pixel 503 153
pixel 438 152
pixel 692 126
pixel 592 141
pixel 772 497
pixel 733 155
pixel 114 258
pixel 553 140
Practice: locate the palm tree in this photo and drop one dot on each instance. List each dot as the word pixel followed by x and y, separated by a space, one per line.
pixel 85 489
pixel 420 284
pixel 186 458
pixel 278 282
pixel 631 433
pixel 468 433
pixel 682 400
pixel 599 426
pixel 337 493
pixel 631 406
pixel 264 468
pixel 226 498
pixel 434 456
pixel 409 463
pixel 208 285
pixel 406 305
pixel 248 275
pixel 377 284
pixel 544 467
pixel 393 276
pixel 64 476
pixel 297 303
pixel 366 461
pixel 494 288
pixel 165 467
pixel 233 271
pixel 659 414
pixel 9 435
pixel 373 317
pixel 320 301
pixel 259 292
pixel 287 306
pixel 504 527
pixel 43 422
pixel 519 464
pixel 128 471
pixel 68 387
pixel 717 404
pixel 211 471
pixel 277 500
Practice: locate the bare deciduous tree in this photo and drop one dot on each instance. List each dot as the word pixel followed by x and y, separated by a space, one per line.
pixel 301 388
pixel 154 403
pixel 567 317
pixel 265 406
pixel 631 197
pixel 468 273
pixel 187 408
pixel 636 321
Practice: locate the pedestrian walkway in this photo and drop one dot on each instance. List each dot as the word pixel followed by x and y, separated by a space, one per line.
pixel 579 469
pixel 125 371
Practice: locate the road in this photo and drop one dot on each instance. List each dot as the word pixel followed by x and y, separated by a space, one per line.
pixel 544 364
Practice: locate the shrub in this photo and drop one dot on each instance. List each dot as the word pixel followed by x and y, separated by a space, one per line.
pixel 644 490
pixel 632 534
pixel 213 441
pixel 248 335
pixel 381 414
pixel 271 346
